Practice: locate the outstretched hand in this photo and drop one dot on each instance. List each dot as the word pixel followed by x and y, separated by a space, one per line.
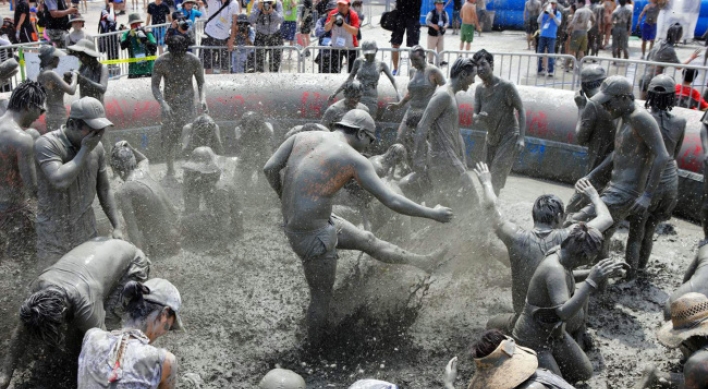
pixel 604 269
pixel 442 214
pixel 482 172
pixel 585 187
pixel 450 373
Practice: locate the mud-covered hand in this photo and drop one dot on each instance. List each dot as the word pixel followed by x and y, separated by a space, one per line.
pixel 480 117
pixel 581 100
pixel 331 98
pixel 482 172
pixel 204 106
pixel 117 233
pixel 641 205
pixel 91 140
pixel 585 187
pixel 450 373
pixel 393 106
pixel 604 269
pixel 166 110
pixel 520 144
pixel 442 214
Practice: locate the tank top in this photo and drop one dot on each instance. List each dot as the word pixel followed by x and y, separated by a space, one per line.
pixel 368 75
pixel 140 365
pixel 652 15
pixel 421 90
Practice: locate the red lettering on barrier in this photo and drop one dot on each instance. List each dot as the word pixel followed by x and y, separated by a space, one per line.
pixel 115 113
pixel 691 155
pixel 537 124
pixel 466 115
pixel 311 109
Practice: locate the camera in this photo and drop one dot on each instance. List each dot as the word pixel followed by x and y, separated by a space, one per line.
pixel 339 20
pixel 266 6
pixel 181 21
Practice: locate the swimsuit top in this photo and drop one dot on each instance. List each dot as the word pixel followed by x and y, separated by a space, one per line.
pixel 368 75
pixel 421 89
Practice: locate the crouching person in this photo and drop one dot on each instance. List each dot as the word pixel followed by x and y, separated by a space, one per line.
pixel 67 299
pixel 125 358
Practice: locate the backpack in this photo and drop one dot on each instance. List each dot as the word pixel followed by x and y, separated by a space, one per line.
pixel 390 20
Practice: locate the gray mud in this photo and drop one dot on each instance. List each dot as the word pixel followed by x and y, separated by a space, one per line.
pixel 244 309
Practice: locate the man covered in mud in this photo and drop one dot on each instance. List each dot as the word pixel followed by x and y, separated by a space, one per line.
pixel 553 301
pixel 220 222
pixel 495 101
pixel 177 67
pixel 306 172
pixel 687 331
pixel 255 140
pixel 67 299
pixel 352 92
pixel 636 164
pixel 527 248
pixel 439 151
pixel 661 95
pixel 151 219
pixel 595 130
pixel 18 177
pixel 71 173
pixel 203 131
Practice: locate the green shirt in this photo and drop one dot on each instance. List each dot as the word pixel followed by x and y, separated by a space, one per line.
pixel 137 49
pixel 289 11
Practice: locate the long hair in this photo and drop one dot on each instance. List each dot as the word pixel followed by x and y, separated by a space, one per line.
pixel 660 101
pixel 42 315
pixel 28 93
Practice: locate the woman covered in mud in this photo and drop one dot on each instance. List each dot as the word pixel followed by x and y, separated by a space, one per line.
pixel 55 85
pixel 552 300
pixel 368 72
pixel 125 359
pixel 420 89
pixel 502 364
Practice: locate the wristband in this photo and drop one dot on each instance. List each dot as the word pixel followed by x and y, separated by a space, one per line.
pixel 591 283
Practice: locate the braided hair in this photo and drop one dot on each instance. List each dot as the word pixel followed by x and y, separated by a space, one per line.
pixel 28 93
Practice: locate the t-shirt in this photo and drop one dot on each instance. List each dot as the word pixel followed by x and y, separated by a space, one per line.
pixel 158 12
pixel 26 30
pixel 549 28
pixel 621 17
pixel 220 26
pixel 289 11
pixel 689 98
pixel 192 14
pixel 532 9
pixel 340 37
pixel 498 102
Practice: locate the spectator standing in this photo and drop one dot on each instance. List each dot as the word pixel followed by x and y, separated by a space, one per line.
pixel 189 12
pixel 549 21
pixel 469 24
pixel 481 14
pixel 651 10
pixel 289 26
pixel 324 39
pixel 344 25
pixel 437 21
pixel 267 17
pixel 306 18
pixel 608 7
pixel 666 53
pixel 220 29
pixel 595 32
pixel 621 26
pixel 111 43
pixel 159 13
pixel 77 31
pixel 409 24
pixel 140 45
pixel 246 37
pixel 24 29
pixel 181 26
pixel 33 20
pixel 686 95
pixel 532 9
pixel 456 21
pixel 583 18
pixel 57 20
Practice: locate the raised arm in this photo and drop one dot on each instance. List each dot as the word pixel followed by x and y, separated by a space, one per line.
pixel 436 106
pixel 504 229
pixel 61 175
pixel 276 163
pixel 105 196
pixel 648 130
pixel 603 219
pixel 366 175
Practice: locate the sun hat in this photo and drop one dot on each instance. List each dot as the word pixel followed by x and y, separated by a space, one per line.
pixel 203 160
pixel 282 379
pixel 506 367
pixel 358 119
pixel 91 111
pixel 135 18
pixel 164 293
pixel 689 317
pixel 85 46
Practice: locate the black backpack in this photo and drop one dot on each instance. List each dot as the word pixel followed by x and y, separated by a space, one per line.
pixel 390 20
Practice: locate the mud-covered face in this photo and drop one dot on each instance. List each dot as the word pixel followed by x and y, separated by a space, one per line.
pixel 370 57
pixel 352 101
pixel 33 112
pixel 418 60
pixel 617 105
pixel 484 68
pixel 468 78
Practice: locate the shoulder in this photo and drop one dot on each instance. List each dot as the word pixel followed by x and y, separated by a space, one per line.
pixel 48 141
pixel 696 365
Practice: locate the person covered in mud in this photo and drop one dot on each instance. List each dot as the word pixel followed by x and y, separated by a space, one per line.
pixel 502 364
pixel 92 75
pixel 704 145
pixel 307 127
pixel 221 219
pixel 352 95
pixel 687 331
pixel 18 177
pixel 125 358
pixel 552 301
pixel 527 248
pixel 495 101
pixel 151 219
pixel 636 164
pixel 595 129
pixel 386 163
pixel 439 154
pixel 421 87
pixel 282 379
pixel 203 131
pixel 661 96
pixel 55 85
pixel 177 67
pixel 71 173
pixel 255 138
pixel 368 71
pixel 66 300
pixel 306 172
pixel 695 280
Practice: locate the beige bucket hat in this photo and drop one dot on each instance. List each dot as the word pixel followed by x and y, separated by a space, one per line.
pixel 505 368
pixel 689 317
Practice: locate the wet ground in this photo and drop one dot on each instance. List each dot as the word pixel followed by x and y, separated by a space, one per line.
pixel 244 309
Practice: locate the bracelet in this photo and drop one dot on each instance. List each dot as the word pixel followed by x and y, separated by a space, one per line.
pixel 591 283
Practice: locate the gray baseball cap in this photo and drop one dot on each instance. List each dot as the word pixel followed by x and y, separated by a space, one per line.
pixel 164 293
pixel 90 111
pixel 661 84
pixel 593 73
pixel 611 87
pixel 359 119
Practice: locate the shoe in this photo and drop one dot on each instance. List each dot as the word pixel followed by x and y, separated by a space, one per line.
pixel 443 63
pixel 541 73
pixel 395 72
pixel 642 58
pixel 550 75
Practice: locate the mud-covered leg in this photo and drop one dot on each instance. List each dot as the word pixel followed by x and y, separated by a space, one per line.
pixel 635 240
pixel 502 160
pixel 320 274
pixel 548 362
pixel 352 238
pixel 572 361
pixel 648 242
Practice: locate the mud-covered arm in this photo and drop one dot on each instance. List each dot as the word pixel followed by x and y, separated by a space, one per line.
pixel 648 130
pixel 366 176
pixel 586 120
pixel 105 195
pixel 603 220
pixel 695 371
pixel 567 306
pixel 26 165
pixel 704 137
pixel 350 78
pixel 679 144
pixel 102 84
pixel 155 81
pixel 60 175
pixel 691 270
pixel 201 84
pixel 604 167
pixel 131 224
pixel 170 372
pixel 216 143
pixel 504 229
pixel 276 163
pixel 18 343
pixel 519 107
pixel 432 112
pixel 387 71
pixel 58 81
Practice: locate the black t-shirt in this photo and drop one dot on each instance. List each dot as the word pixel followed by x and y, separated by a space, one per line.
pixel 26 30
pixel 158 12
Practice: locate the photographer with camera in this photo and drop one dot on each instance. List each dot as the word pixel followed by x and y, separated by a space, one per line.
pixel 220 29
pixel 437 21
pixel 246 37
pixel 181 26
pixel 140 45
pixel 267 17
pixel 343 23
pixel 158 13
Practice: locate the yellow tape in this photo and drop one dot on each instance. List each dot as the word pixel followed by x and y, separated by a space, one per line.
pixel 128 60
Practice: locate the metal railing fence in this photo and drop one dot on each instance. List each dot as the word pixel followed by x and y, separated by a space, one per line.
pixel 318 59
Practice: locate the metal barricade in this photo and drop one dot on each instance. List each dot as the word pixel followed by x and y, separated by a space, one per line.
pixel 641 72
pixel 17 51
pixel 522 68
pixel 251 59
pixel 325 59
